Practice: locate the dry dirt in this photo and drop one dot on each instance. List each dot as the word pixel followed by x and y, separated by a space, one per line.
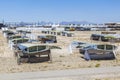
pixel 61 58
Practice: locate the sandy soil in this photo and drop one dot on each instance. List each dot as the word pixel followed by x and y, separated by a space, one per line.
pixel 61 58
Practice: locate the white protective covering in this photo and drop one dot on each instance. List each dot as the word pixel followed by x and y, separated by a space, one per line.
pixel 86 55
pixel 73 45
pixel 33 29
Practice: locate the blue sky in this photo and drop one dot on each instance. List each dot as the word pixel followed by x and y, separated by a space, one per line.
pixel 99 11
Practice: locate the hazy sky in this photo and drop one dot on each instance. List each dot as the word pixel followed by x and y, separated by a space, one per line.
pixel 60 10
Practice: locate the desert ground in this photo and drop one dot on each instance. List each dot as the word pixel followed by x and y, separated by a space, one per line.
pixel 61 59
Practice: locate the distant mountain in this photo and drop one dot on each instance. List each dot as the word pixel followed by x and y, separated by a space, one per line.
pixel 44 23
pixel 75 22
pixel 49 23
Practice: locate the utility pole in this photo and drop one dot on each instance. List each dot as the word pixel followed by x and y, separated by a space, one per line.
pixel 3 21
